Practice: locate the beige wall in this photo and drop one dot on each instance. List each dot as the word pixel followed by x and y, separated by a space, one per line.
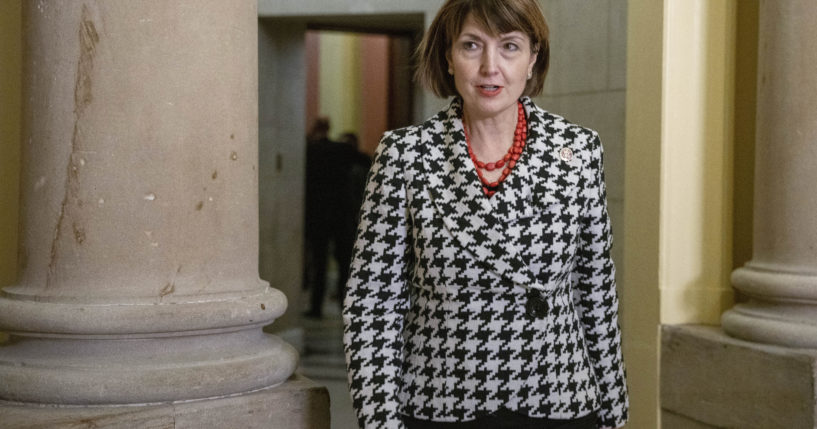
pixel 641 301
pixel 339 90
pixel 696 177
pixel 680 181
pixel 10 81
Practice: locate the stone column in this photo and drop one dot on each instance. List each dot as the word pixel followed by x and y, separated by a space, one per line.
pixel 781 278
pixel 139 239
pixel 761 375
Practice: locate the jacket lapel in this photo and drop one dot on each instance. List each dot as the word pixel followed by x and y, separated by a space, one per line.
pixel 516 197
pixel 478 223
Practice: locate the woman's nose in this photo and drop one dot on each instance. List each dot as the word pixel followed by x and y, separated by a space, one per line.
pixel 489 61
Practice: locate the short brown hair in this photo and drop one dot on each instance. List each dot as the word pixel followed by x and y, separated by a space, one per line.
pixel 496 16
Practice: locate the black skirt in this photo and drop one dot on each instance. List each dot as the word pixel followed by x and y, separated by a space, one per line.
pixel 505 418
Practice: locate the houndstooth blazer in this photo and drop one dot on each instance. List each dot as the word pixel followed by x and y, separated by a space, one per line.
pixel 459 304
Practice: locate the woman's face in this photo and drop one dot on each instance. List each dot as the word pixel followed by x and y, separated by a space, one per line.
pixel 490 72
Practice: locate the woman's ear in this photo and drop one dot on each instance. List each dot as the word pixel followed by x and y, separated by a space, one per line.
pixel 533 58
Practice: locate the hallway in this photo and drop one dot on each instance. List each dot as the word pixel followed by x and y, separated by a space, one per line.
pixel 151 191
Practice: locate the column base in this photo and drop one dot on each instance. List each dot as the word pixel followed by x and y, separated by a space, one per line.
pixel 787 325
pixel 76 371
pixel 299 403
pixel 715 380
pixel 782 306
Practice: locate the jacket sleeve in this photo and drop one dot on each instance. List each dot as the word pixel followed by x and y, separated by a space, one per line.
pixel 377 293
pixel 596 299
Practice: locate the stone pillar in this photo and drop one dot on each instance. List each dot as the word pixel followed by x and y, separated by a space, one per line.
pixel 781 278
pixel 762 374
pixel 139 239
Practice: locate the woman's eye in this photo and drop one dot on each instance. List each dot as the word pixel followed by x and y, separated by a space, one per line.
pixel 511 46
pixel 469 46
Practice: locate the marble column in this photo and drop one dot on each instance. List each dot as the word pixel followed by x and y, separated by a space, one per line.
pixel 139 293
pixel 781 278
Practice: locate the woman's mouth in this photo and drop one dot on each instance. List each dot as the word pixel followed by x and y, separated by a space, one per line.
pixel 489 90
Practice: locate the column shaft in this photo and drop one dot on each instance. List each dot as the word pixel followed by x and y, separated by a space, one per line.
pixel 139 239
pixel 781 278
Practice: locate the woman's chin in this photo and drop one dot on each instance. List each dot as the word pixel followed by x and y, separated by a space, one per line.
pixel 487 107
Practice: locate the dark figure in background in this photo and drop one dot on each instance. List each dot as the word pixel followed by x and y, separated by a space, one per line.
pixel 327 170
pixel 355 182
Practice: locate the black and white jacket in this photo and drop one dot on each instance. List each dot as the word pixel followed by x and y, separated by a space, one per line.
pixel 459 304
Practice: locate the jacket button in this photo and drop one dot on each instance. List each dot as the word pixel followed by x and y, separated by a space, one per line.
pixel 537 305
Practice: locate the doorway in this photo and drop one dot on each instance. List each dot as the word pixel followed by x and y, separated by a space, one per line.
pixel 357 71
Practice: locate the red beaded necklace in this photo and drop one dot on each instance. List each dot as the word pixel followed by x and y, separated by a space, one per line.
pixel 508 161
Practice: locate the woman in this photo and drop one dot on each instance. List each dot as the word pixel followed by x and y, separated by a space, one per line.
pixel 482 291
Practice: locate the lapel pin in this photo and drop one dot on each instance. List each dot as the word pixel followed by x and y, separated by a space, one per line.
pixel 566 154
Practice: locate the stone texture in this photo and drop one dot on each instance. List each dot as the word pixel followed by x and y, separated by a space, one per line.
pixel 139 154
pixel 618 45
pixel 670 420
pixel 716 380
pixel 139 240
pixel 781 278
pixel 282 160
pixel 84 371
pixel 580 59
pixel 298 403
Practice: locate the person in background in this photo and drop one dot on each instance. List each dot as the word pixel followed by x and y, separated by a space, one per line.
pixel 355 181
pixel 482 292
pixel 327 176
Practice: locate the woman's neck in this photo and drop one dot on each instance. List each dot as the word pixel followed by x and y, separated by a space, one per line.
pixel 491 136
